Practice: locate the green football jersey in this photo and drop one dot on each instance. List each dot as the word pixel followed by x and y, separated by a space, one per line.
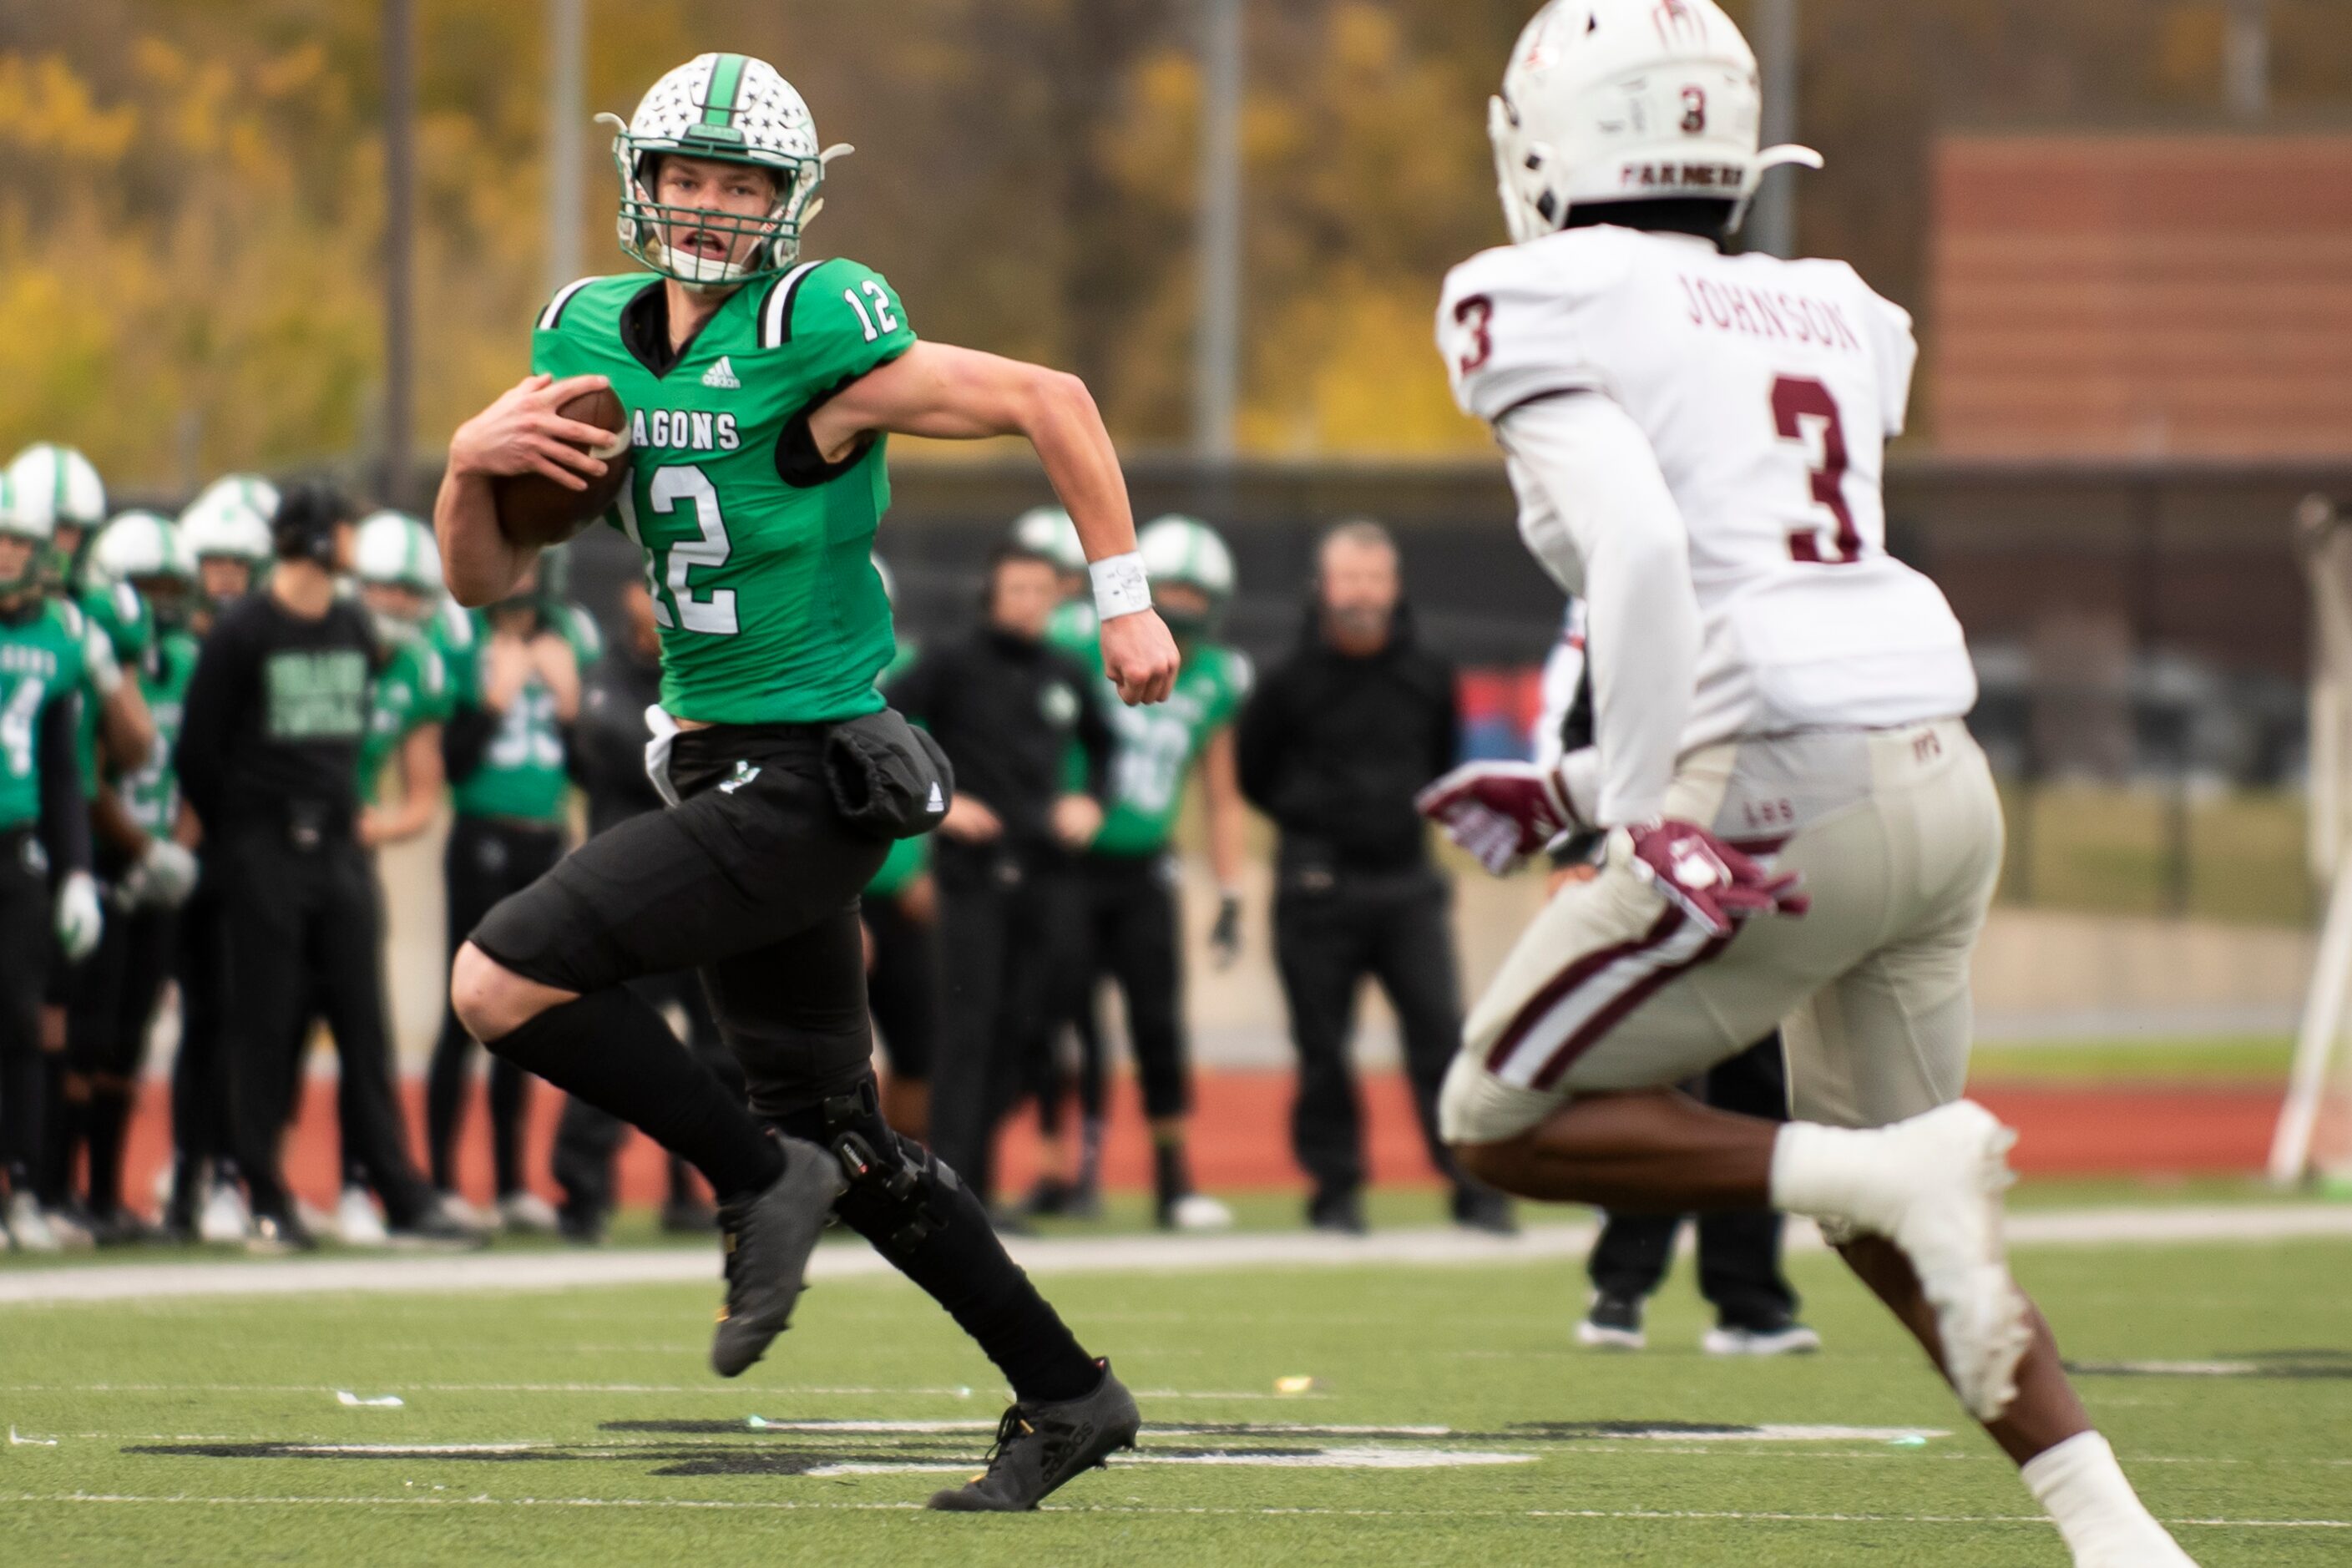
pixel 44 658
pixel 121 614
pixel 758 554
pixel 1157 745
pixel 411 689
pixel 521 775
pixel 1075 629
pixel 908 858
pixel 151 794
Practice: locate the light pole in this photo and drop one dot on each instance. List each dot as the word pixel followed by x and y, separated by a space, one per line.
pixel 399 244
pixel 566 49
pixel 1217 351
pixel 1772 221
pixel 2246 59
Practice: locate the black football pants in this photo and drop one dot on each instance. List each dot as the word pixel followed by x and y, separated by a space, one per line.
pixel 305 922
pixel 998 956
pixel 26 941
pixel 1331 931
pixel 1738 1252
pixel 486 860
pixel 903 987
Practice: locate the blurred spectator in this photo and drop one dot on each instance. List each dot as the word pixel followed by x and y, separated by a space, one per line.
pixel 1334 746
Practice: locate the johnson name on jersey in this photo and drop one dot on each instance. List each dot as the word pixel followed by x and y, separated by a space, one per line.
pixel 1766 390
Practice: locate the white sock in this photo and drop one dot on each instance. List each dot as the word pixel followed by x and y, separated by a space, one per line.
pixel 1830 1173
pixel 2084 1491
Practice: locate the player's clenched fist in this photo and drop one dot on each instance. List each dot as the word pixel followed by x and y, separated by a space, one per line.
pixel 521 433
pixel 1140 657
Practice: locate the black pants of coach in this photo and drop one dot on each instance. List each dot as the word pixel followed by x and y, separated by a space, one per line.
pixel 587 1139
pixel 998 948
pixel 487 859
pixel 200 1091
pixel 24 942
pixel 304 920
pixel 1331 929
pixel 1739 1253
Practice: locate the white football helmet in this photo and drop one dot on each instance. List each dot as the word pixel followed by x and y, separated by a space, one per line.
pixel 1186 552
pixel 225 521
pixel 1616 100
pixel 139 544
pixel 395 550
pixel 58 483
pixel 1047 531
pixel 736 109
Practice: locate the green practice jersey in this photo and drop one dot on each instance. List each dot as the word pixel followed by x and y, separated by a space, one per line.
pixel 522 774
pixel 122 617
pixel 1157 745
pixel 908 858
pixel 412 689
pixel 1076 631
pixel 758 554
pixel 151 794
pixel 44 658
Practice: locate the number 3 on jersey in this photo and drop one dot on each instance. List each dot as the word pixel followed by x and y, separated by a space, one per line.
pixel 1795 400
pixel 676 561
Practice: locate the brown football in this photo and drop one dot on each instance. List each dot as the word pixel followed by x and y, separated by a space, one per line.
pixel 535 510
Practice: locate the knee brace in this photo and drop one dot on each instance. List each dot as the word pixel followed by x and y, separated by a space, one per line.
pixel 900 1195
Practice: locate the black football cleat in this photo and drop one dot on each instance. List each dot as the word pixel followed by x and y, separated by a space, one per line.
pixel 768 1236
pixel 1040 1447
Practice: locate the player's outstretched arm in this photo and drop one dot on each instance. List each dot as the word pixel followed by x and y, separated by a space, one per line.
pixel 521 433
pixel 961 394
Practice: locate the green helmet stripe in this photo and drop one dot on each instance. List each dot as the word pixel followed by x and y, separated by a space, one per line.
pixel 58 483
pixel 726 83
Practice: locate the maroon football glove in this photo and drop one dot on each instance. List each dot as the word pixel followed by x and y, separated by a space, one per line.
pixel 1708 880
pixel 1500 812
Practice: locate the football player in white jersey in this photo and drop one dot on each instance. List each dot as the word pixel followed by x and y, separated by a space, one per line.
pixel 1696 439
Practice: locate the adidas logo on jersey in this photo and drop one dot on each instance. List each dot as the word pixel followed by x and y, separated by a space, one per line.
pixel 722 375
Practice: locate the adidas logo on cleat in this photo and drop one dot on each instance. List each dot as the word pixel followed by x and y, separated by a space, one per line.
pixel 722 376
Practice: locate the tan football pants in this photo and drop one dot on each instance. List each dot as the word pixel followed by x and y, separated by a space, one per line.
pixel 1897 833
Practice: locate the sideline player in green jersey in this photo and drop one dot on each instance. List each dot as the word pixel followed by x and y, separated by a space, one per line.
pixel 761 391
pixel 148 872
pixel 901 910
pixel 399 572
pixel 1132 928
pixel 517 696
pixel 45 651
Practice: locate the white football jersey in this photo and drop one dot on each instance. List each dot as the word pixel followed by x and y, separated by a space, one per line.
pixel 1767 389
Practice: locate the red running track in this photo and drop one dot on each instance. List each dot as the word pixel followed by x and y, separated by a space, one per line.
pixel 1241 1135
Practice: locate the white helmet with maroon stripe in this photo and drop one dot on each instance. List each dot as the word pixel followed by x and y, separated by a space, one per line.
pixel 1615 101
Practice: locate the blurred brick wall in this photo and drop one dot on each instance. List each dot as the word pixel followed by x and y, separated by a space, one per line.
pixel 2142 296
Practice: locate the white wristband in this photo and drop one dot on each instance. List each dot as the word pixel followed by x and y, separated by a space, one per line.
pixel 1120 586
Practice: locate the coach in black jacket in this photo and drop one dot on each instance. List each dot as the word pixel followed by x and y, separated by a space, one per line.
pixel 1007 709
pixel 1333 746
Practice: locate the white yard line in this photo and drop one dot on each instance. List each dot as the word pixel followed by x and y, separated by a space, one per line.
pixel 782 1506
pixel 1068 1254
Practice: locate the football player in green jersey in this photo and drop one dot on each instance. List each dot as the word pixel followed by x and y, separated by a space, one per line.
pixel 148 872
pixel 227 528
pixel 1132 932
pixel 399 573
pixel 46 651
pixel 517 694
pixel 761 391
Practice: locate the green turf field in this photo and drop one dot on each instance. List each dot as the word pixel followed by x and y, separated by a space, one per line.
pixel 1451 1421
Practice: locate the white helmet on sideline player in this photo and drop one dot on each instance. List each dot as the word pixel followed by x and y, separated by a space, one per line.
pixel 1184 552
pixel 230 519
pixel 395 550
pixel 59 483
pixel 1047 531
pixel 139 544
pixel 1615 101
